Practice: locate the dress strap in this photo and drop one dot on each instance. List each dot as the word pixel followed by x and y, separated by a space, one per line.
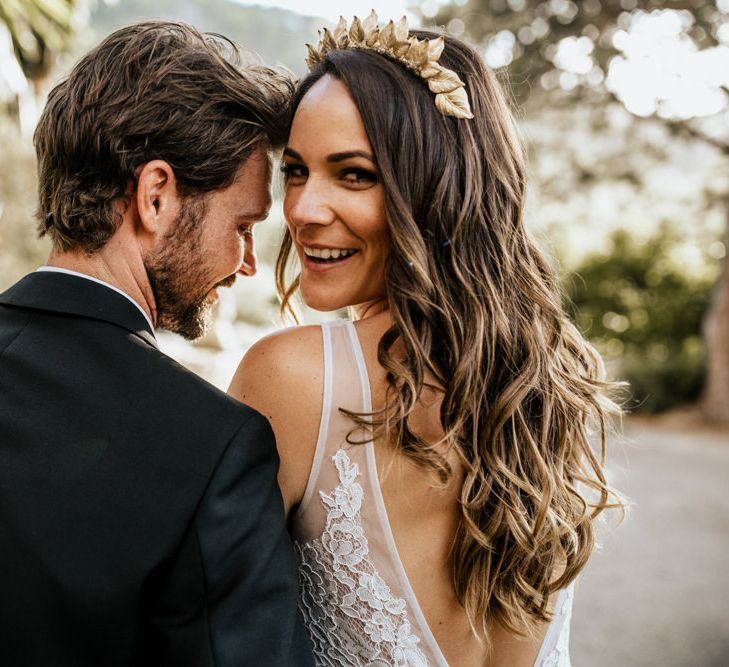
pixel 343 388
pixel 555 649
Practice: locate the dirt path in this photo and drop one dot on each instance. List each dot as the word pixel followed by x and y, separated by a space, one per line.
pixel 657 594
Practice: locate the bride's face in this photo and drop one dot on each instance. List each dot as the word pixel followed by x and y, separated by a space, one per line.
pixel 334 203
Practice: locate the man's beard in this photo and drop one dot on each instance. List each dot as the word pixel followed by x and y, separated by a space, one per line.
pixel 178 277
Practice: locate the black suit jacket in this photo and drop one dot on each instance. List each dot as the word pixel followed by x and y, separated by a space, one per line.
pixel 140 519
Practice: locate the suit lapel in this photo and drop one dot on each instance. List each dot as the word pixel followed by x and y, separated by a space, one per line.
pixel 71 295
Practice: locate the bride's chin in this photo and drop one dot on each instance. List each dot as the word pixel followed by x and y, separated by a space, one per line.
pixel 323 305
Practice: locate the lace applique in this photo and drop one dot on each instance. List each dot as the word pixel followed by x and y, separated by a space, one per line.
pixel 351 614
pixel 559 656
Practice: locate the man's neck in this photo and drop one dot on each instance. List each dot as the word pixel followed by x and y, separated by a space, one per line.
pixel 114 266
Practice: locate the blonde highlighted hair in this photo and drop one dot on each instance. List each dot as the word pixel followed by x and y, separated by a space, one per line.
pixel 475 305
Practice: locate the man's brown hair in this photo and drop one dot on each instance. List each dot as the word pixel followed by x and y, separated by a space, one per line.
pixel 153 90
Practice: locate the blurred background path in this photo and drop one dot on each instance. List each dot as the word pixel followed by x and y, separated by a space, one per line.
pixel 657 594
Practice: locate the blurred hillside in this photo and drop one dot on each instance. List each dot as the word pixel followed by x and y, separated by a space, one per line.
pixel 277 35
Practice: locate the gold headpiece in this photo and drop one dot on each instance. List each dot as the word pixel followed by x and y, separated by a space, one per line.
pixel 419 56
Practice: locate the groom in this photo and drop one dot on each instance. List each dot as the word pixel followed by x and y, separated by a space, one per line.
pixel 140 519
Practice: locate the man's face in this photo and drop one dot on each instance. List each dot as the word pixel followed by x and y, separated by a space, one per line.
pixel 209 244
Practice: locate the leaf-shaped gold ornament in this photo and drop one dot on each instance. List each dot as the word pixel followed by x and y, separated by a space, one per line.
pixel 401 30
pixel 313 57
pixel 435 49
pixel 444 82
pixel 340 29
pixel 418 52
pixel 370 23
pixel 372 37
pixel 399 51
pixel 356 31
pixel 430 70
pixel 454 104
pixel 328 42
pixel 387 36
pixel 421 56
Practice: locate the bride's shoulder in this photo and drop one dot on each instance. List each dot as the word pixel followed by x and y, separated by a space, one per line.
pixel 281 376
pixel 285 360
pixel 302 344
pixel 287 340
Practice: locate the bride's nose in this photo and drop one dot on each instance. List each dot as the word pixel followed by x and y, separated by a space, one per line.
pixel 308 204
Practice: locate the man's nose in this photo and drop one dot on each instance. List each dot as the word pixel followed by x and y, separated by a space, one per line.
pixel 249 265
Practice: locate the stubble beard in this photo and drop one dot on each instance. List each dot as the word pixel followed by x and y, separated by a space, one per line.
pixel 177 275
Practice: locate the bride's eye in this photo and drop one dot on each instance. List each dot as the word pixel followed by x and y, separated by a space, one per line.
pixel 358 176
pixel 293 171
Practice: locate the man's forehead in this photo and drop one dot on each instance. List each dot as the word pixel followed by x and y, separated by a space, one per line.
pixel 251 187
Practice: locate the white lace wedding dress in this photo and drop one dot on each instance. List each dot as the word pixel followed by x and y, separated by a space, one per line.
pixel 356 599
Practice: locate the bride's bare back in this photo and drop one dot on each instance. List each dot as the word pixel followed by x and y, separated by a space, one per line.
pixel 283 377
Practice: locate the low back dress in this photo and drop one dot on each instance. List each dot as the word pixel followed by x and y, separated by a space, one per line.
pixel 357 602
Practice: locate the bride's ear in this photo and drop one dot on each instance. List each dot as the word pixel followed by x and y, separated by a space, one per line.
pixel 157 200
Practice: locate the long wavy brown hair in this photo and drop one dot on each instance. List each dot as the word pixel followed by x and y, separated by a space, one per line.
pixel 475 305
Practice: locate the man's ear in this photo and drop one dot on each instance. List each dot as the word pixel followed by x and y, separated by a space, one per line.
pixel 157 199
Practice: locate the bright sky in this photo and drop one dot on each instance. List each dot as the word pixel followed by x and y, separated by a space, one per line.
pixel 662 69
pixel 386 9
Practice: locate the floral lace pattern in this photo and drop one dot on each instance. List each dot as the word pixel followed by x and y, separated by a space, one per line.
pixel 351 614
pixel 559 656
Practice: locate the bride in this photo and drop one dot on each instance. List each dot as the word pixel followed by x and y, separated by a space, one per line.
pixel 435 461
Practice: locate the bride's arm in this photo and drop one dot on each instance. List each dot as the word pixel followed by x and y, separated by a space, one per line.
pixel 281 376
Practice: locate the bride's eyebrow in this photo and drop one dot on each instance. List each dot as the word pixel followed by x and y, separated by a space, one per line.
pixel 338 157
pixel 334 157
pixel 290 152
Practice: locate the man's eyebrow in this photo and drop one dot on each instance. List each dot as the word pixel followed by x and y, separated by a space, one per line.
pixel 253 216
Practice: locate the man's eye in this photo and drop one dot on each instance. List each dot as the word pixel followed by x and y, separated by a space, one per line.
pixel 358 176
pixel 245 231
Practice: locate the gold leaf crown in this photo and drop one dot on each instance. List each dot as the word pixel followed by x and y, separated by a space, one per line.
pixel 419 56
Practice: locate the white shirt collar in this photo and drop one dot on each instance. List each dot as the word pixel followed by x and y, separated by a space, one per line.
pixel 55 269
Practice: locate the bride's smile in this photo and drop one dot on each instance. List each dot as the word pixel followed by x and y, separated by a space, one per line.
pixel 334 203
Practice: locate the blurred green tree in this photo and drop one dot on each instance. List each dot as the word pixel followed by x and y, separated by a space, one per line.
pixel 37 29
pixel 529 38
pixel 643 311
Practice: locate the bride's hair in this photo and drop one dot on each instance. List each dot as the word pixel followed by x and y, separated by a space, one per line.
pixel 475 305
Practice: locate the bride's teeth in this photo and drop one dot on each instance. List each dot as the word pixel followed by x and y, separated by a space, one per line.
pixel 329 253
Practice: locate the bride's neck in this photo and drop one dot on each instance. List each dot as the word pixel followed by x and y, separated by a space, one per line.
pixel 368 309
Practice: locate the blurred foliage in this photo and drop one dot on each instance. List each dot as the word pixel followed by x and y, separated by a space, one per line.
pixel 37 28
pixel 534 29
pixel 20 249
pixel 644 312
